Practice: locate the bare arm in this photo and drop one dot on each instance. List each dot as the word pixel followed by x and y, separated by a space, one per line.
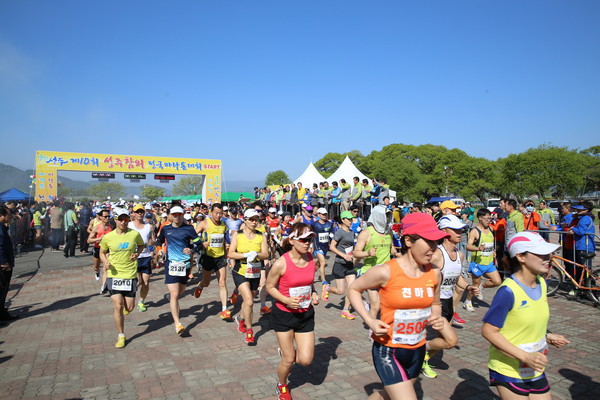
pixel 363 239
pixel 375 277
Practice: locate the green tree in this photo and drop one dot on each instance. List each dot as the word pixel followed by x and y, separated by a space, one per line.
pixel 102 190
pixel 152 192
pixel 544 170
pixel 591 159
pixel 188 185
pixel 277 178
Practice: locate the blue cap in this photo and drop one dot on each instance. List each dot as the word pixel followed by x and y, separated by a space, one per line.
pixel 578 207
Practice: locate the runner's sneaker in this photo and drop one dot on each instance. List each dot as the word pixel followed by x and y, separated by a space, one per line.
pixel 480 295
pixel 198 290
pixel 283 393
pixel 265 310
pixel 225 314
pixel 456 319
pixel 240 323
pixel 325 294
pixel 97 275
pixel 427 371
pixel 468 305
pixel 120 342
pixel 346 314
pixel 249 336
pixel 141 306
pixel 180 329
pixel 234 297
pixel 125 312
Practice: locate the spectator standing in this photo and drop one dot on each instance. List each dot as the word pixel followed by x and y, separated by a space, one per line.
pixel 71 224
pixel 7 262
pixel 56 225
pixel 85 216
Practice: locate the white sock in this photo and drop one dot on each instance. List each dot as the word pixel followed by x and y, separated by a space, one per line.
pixel 223 308
pixel 121 335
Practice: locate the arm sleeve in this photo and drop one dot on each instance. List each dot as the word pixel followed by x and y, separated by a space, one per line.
pixel 501 305
pixel 160 239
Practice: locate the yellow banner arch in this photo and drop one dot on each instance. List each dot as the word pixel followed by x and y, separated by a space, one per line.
pixel 48 163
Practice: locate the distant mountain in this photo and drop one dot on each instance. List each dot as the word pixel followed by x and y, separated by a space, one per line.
pixel 11 177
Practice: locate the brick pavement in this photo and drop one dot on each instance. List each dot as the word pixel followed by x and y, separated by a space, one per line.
pixel 62 347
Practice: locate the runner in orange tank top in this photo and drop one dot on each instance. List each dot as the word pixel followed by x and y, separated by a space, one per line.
pixel 410 300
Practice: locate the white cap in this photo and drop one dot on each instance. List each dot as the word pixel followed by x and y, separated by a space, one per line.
pixel 304 205
pixel 530 242
pixel 450 221
pixel 279 212
pixel 187 216
pixel 272 210
pixel 176 210
pixel 148 206
pixel 322 210
pixel 306 234
pixel 163 215
pixel 225 208
pixel 121 211
pixel 249 213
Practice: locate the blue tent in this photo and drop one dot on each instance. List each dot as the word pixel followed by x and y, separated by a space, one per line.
pixel 14 195
pixel 438 199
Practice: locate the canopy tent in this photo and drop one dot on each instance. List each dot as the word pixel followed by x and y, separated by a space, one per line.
pixel 310 176
pixel 348 171
pixel 14 195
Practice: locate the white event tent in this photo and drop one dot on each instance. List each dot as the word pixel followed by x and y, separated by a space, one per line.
pixel 310 176
pixel 348 171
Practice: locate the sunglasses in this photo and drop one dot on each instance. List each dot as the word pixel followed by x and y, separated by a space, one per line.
pixel 253 219
pixel 305 240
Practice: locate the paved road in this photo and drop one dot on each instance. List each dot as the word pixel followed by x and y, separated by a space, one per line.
pixel 62 347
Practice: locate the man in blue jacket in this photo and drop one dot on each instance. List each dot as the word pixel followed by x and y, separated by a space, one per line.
pixel 583 234
pixel 7 262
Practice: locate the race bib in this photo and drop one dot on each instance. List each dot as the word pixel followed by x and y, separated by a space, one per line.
pixel 216 240
pixel 253 270
pixel 304 293
pixel 177 268
pixel 349 250
pixel 324 237
pixel 448 283
pixel 123 285
pixel 525 371
pixel 409 325
pixel 488 249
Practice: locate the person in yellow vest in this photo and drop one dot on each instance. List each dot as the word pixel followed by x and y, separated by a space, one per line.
pixel 212 230
pixel 516 323
pixel 482 245
pixel 249 250
pixel 374 246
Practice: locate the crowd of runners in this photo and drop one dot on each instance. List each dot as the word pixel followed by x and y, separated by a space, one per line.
pixel 403 270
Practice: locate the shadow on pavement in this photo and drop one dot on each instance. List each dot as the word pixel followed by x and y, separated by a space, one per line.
pixel 315 374
pixel 58 305
pixel 583 386
pixel 473 384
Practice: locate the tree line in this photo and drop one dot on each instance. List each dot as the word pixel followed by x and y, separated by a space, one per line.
pixel 420 172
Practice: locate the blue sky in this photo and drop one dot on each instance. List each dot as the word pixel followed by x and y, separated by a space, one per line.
pixel 266 85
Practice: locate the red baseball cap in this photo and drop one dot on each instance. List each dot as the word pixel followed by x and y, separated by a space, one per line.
pixel 422 224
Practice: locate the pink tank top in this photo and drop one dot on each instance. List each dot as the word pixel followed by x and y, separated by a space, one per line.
pixel 101 232
pixel 297 282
